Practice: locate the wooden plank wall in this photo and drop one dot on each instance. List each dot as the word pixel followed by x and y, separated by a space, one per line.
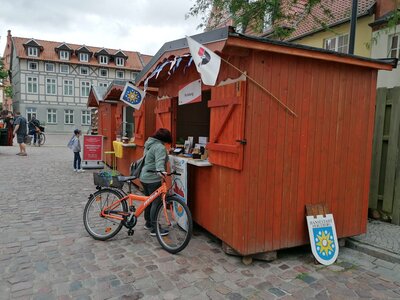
pixel 322 156
pixel 385 182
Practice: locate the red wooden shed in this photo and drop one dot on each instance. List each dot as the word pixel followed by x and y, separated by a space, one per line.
pixel 268 164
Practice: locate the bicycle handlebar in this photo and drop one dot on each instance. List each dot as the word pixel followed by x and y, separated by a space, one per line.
pixel 161 172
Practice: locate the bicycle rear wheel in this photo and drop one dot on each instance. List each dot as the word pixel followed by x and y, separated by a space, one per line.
pixel 42 139
pixel 102 228
pixel 179 225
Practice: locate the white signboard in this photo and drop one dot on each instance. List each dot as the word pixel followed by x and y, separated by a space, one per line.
pixel 179 185
pixel 323 238
pixel 190 93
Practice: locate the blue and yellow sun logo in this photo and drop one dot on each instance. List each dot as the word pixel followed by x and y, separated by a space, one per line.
pixel 134 96
pixel 325 244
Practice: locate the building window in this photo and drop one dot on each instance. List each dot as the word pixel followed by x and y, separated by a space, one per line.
pixel 103 84
pixel 394 49
pixel 32 86
pixel 120 74
pixel 51 86
pixel 103 59
pixel 64 69
pixel 68 87
pixel 30 112
pixel 134 74
pixel 338 43
pixel 64 55
pixel 84 70
pixel 103 72
pixel 32 51
pixel 51 116
pixel 85 117
pixel 68 116
pixel 84 57
pixel 32 65
pixel 85 88
pixel 119 61
pixel 49 67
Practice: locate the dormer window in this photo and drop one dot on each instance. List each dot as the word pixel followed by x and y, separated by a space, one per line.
pixel 119 61
pixel 103 59
pixel 64 55
pixel 32 51
pixel 84 57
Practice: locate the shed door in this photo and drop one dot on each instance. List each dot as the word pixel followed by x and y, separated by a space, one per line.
pixel 163 113
pixel 139 118
pixel 227 110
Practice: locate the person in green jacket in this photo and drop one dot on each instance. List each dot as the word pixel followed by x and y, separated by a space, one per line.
pixel 156 160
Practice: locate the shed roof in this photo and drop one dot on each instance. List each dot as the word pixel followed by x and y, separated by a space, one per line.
pixel 220 40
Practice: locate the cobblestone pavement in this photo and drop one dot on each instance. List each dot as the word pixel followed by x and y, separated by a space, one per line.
pixel 386 236
pixel 45 252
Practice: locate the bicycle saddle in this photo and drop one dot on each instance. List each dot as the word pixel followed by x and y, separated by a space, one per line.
pixel 126 178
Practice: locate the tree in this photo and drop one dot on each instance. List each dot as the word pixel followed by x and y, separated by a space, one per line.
pixel 256 15
pixel 3 76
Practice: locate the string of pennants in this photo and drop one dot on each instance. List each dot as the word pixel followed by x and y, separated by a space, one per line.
pixel 173 66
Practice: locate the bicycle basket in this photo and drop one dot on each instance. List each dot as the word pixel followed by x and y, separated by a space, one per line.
pixel 106 179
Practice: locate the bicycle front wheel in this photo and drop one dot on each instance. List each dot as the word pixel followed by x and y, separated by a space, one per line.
pixel 42 139
pixel 174 225
pixel 99 227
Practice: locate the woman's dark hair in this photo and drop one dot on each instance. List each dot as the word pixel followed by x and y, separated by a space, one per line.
pixel 164 135
pixel 76 131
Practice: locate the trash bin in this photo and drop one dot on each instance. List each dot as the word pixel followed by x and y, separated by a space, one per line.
pixel 3 137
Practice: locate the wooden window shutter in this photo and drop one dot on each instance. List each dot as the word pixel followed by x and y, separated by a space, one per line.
pixel 139 117
pixel 163 113
pixel 227 112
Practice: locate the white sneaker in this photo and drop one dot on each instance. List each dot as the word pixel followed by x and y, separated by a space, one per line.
pixel 75 170
pixel 80 171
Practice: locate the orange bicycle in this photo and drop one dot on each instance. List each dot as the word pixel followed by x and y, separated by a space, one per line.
pixel 108 209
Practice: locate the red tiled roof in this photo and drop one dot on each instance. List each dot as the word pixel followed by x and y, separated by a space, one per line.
pixel 49 54
pixel 339 11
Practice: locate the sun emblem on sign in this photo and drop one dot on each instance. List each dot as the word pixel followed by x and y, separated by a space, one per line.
pixel 133 96
pixel 324 243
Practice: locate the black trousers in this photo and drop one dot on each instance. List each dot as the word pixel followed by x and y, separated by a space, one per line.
pixel 150 211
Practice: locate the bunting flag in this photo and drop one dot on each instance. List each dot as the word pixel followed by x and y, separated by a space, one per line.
pixel 207 62
pixel 132 95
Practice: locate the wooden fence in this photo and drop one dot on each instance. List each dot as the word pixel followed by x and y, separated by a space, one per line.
pixel 385 170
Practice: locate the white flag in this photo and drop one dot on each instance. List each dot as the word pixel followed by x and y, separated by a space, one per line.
pixel 207 62
pixel 132 95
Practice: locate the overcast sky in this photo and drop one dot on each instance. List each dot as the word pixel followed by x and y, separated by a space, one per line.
pixel 135 25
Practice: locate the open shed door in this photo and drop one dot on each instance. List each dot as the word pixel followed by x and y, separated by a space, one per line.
pixel 163 113
pixel 227 112
pixel 139 118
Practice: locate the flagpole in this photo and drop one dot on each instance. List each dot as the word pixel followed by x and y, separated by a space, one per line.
pixel 260 86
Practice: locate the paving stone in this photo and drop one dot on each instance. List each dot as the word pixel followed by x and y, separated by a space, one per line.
pixel 47 253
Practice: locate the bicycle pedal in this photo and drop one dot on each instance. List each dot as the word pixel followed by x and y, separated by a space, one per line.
pixel 131 232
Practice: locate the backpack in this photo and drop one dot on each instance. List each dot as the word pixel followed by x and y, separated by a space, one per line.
pixel 71 143
pixel 137 166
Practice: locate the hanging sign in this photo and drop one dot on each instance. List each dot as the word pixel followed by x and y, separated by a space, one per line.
pixel 190 93
pixel 323 238
pixel 132 95
pixel 179 186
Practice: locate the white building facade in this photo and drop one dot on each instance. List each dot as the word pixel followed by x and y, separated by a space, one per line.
pixel 52 80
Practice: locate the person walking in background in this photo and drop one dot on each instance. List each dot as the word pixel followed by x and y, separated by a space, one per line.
pixel 9 121
pixel 156 160
pixel 75 145
pixel 33 126
pixel 20 130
